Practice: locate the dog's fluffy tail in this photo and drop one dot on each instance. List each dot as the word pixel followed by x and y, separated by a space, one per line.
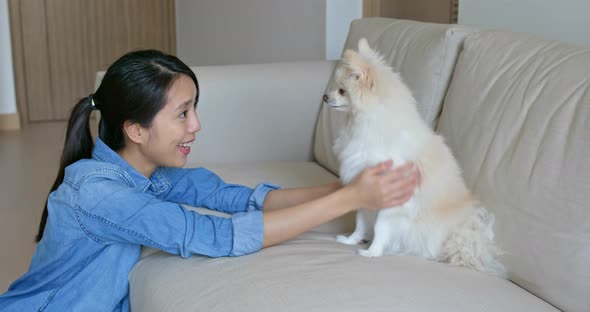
pixel 471 244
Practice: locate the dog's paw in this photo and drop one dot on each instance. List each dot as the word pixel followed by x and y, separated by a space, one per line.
pixel 348 240
pixel 345 240
pixel 368 253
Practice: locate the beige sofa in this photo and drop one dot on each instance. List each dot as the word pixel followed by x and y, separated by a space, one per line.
pixel 514 109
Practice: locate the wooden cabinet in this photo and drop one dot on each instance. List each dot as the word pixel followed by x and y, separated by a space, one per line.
pixel 435 11
pixel 59 45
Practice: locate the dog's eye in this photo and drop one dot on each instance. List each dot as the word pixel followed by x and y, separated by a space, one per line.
pixel 357 77
pixel 341 91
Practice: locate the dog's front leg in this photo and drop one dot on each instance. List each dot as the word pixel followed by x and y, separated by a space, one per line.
pixel 383 233
pixel 363 231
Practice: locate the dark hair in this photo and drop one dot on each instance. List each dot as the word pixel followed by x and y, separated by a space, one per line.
pixel 134 88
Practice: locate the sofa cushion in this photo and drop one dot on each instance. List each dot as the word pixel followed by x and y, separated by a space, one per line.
pixel 258 112
pixel 315 273
pixel 423 53
pixel 517 117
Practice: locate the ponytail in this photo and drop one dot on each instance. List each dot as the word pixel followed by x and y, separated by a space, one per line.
pixel 78 145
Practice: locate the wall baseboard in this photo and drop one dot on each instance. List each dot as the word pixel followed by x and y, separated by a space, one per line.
pixel 9 122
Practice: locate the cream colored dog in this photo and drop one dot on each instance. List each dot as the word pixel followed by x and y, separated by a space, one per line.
pixel 441 221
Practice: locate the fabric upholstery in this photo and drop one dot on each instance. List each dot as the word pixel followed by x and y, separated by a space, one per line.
pixel 315 273
pixel 517 117
pixel 286 96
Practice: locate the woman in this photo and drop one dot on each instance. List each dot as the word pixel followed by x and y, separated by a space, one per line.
pixel 124 191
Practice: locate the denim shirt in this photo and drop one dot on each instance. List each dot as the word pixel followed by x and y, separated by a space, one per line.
pixel 103 213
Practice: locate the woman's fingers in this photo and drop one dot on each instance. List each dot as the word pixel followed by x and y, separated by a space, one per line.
pixel 401 171
pixel 398 201
pixel 405 191
pixel 404 187
pixel 402 175
pixel 382 167
pixel 384 187
pixel 401 184
pixel 400 181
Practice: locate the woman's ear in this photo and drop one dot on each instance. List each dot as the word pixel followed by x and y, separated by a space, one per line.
pixel 134 131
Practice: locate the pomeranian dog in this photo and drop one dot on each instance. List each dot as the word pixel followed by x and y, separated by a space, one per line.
pixel 442 221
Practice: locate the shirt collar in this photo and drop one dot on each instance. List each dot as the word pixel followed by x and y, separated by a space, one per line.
pixel 156 184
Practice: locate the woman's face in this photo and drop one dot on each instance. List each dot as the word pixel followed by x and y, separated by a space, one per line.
pixel 173 128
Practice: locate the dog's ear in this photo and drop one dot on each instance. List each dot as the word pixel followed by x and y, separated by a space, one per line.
pixel 364 47
pixel 361 71
pixel 366 78
pixel 352 60
pixel 350 57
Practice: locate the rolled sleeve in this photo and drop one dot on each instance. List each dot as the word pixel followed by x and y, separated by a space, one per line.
pixel 248 226
pixel 248 232
pixel 259 194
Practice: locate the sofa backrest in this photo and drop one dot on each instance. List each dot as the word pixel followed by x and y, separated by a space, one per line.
pixel 517 117
pixel 423 53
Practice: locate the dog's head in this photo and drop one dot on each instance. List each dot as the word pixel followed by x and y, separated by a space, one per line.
pixel 355 77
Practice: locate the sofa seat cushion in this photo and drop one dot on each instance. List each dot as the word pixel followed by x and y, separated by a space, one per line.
pixel 315 273
pixel 423 53
pixel 517 117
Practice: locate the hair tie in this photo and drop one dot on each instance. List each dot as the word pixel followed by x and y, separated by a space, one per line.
pixel 91 102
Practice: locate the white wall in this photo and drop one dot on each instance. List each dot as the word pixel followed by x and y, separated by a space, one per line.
pixel 250 31
pixel 7 93
pixel 339 14
pixel 224 32
pixel 564 20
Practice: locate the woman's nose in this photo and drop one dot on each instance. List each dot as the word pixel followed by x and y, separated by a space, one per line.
pixel 195 124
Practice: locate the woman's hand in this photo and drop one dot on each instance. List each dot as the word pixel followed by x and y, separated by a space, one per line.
pixel 381 187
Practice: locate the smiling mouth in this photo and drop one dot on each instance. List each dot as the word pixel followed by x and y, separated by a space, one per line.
pixel 185 148
pixel 185 145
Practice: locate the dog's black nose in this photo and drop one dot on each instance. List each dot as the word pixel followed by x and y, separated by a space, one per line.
pixel 325 98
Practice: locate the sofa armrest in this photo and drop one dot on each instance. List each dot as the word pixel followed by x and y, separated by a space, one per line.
pixel 258 112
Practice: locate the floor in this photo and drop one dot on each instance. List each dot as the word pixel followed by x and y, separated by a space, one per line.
pixel 29 160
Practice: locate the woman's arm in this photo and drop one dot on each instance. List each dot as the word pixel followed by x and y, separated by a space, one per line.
pixel 112 211
pixel 374 188
pixel 284 198
pixel 200 187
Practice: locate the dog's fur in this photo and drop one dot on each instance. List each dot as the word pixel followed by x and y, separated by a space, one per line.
pixel 441 221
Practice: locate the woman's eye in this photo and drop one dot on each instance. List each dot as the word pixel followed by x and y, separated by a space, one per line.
pixel 182 115
pixel 341 91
